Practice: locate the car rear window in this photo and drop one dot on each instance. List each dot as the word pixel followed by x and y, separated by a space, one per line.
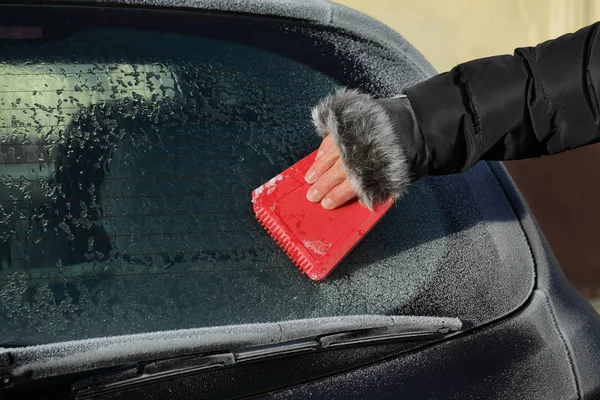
pixel 128 157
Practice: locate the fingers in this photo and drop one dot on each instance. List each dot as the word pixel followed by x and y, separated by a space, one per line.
pixel 328 177
pixel 339 195
pixel 332 177
pixel 329 155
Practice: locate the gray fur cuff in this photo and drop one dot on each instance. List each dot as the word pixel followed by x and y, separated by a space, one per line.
pixel 370 148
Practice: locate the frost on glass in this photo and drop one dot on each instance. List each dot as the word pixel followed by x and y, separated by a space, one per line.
pixel 127 163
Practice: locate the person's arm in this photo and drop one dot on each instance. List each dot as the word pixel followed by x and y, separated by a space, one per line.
pixel 540 101
pixel 543 100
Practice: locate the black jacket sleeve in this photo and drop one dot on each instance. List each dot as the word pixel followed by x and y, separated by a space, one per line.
pixel 541 100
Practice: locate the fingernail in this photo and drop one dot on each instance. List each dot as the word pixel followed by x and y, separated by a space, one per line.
pixel 312 194
pixel 319 154
pixel 310 176
pixel 327 203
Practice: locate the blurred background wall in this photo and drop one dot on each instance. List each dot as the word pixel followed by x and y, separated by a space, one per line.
pixel 563 191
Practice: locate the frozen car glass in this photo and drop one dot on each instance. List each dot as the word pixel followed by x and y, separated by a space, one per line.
pixel 128 157
pixel 125 185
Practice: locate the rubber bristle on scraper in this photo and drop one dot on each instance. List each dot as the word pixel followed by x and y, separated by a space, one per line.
pixel 315 239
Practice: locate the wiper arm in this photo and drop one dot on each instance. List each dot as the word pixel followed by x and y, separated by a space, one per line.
pixel 235 344
pixel 138 374
pixel 344 338
pixel 142 373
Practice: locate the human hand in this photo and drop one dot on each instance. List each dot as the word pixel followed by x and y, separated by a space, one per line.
pixel 330 185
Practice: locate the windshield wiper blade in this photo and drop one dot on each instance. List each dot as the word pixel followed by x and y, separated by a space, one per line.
pixel 243 342
pixel 377 336
pixel 353 337
pixel 143 373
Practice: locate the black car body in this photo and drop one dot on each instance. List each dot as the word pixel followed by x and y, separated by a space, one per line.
pixel 112 300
